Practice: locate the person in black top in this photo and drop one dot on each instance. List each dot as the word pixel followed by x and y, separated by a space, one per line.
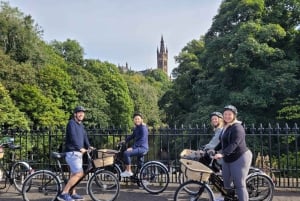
pixel 236 156
pixel 140 146
pixel 76 144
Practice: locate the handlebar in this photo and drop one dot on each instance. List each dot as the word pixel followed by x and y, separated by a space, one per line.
pixel 8 142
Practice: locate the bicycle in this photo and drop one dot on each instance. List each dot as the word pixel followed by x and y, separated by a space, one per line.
pixel 153 176
pixel 200 176
pixel 17 171
pixel 46 185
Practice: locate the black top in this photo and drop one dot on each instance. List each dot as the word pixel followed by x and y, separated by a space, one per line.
pixel 76 137
pixel 140 134
pixel 233 142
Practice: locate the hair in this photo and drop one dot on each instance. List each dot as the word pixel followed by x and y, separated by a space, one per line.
pixel 220 125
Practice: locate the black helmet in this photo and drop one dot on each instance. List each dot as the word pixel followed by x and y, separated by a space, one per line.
pixel 231 108
pixel 218 114
pixel 137 114
pixel 79 109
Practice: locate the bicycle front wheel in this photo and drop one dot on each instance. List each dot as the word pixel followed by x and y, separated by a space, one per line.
pixel 103 186
pixel 260 187
pixel 154 177
pixel 41 186
pixel 198 192
pixel 20 171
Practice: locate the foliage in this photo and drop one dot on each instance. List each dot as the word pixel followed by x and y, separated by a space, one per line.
pixel 115 89
pixel 145 92
pixel 11 116
pixel 247 58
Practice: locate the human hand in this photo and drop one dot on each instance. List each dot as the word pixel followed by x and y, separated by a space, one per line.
pixel 83 150
pixel 129 149
pixel 92 148
pixel 218 156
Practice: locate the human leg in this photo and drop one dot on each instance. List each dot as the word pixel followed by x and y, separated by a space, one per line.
pixel 240 169
pixel 226 174
pixel 74 160
pixel 127 160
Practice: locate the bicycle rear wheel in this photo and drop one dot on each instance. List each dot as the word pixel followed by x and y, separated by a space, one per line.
pixel 260 187
pixel 154 177
pixel 198 192
pixel 20 171
pixel 103 186
pixel 41 186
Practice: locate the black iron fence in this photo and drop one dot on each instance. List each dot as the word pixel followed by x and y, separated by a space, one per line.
pixel 275 147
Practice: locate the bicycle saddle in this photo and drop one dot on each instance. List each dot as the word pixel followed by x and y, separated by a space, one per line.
pixel 57 155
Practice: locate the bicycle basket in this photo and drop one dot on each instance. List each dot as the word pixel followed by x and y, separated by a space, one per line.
pixel 105 157
pixel 1 152
pixel 195 170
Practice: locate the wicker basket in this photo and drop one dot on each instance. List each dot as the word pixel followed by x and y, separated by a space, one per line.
pixel 194 170
pixel 105 157
pixel 1 152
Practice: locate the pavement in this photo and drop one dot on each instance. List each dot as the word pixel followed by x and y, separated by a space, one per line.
pixel 134 193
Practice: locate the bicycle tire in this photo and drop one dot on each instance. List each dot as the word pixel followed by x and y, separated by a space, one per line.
pixel 41 185
pixel 154 177
pixel 115 168
pixel 3 178
pixel 19 172
pixel 260 187
pixel 199 191
pixel 103 185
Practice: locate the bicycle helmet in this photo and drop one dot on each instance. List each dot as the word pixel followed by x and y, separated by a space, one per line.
pixel 79 109
pixel 218 114
pixel 137 114
pixel 231 108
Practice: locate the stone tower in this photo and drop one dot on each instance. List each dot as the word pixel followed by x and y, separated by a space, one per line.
pixel 162 56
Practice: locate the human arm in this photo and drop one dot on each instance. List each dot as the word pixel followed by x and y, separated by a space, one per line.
pixel 213 143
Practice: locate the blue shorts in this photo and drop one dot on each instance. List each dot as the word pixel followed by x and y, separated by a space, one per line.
pixel 74 160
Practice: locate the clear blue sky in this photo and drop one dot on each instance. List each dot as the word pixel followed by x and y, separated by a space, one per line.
pixel 120 31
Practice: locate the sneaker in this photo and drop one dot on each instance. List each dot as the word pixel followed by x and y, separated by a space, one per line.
pixel 126 174
pixel 77 197
pixel 219 199
pixel 64 197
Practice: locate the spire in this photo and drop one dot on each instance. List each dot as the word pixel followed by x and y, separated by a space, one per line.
pixel 162 45
pixel 162 56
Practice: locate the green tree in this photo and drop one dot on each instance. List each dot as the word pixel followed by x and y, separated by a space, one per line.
pixel 57 85
pixel 11 116
pixel 70 50
pixel 248 60
pixel 18 34
pixel 115 89
pixel 39 108
pixel 90 95
pixel 145 92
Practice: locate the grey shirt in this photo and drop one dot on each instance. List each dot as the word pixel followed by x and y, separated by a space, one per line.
pixel 215 140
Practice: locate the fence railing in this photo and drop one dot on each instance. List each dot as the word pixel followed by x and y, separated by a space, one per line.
pixel 275 148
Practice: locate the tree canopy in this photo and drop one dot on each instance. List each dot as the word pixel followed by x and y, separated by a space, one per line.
pixel 249 58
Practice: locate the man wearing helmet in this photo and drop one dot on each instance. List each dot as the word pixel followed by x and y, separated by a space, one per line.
pixel 76 144
pixel 236 156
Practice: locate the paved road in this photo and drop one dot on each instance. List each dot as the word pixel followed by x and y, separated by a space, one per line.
pixel 133 193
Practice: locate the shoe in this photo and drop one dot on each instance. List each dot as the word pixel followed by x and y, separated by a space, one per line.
pixel 219 199
pixel 64 197
pixel 126 174
pixel 77 197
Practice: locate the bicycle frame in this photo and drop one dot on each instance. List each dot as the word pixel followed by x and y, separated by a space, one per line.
pixel 119 164
pixel 90 169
